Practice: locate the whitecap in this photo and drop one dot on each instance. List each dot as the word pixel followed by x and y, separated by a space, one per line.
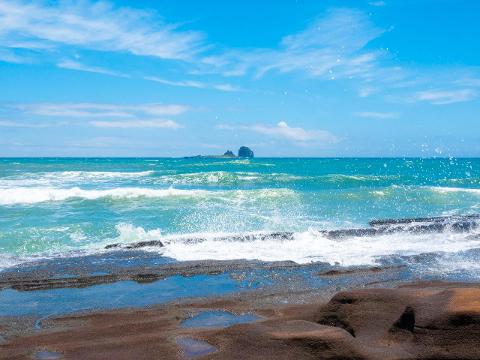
pixel 30 195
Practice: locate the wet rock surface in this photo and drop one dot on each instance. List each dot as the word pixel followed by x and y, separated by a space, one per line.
pixel 421 321
pixel 428 320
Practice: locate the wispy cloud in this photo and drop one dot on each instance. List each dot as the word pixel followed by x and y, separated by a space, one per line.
pixel 75 65
pixel 7 55
pixel 226 87
pixel 193 84
pixel 442 97
pixel 332 47
pixel 128 124
pixel 366 91
pixel 95 110
pixel 101 142
pixel 100 115
pixel 338 45
pixel 473 81
pixel 186 83
pixel 377 115
pixel 94 25
pixel 283 130
pixel 16 124
pixel 379 3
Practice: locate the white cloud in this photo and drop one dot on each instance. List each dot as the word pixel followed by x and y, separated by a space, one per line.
pixel 102 142
pixel 366 91
pixel 377 3
pixel 94 25
pixel 469 81
pixel 97 114
pixel 377 115
pixel 283 130
pixel 442 97
pixel 15 124
pixel 187 83
pixel 336 46
pixel 226 88
pixel 7 55
pixel 193 84
pixel 95 110
pixel 164 124
pixel 332 47
pixel 74 65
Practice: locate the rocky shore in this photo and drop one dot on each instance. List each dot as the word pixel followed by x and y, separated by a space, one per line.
pixel 422 320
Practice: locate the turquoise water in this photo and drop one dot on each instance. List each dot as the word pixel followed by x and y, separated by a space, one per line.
pixel 69 207
pixel 121 294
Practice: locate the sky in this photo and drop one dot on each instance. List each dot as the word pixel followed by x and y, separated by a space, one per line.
pixel 286 78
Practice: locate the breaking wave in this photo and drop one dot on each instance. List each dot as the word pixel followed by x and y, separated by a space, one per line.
pixel 61 177
pixel 32 195
pixel 344 247
pixel 447 190
pixel 28 195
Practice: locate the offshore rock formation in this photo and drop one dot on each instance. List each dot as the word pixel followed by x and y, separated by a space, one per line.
pixel 245 151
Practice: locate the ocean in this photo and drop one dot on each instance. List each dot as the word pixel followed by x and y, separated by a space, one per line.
pixel 223 209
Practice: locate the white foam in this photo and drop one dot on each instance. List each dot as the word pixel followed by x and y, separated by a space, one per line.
pixel 7 261
pixel 304 247
pixel 313 246
pixel 446 190
pixel 212 177
pixel 64 177
pixel 31 195
pixel 226 177
pixel 130 234
pixel 99 174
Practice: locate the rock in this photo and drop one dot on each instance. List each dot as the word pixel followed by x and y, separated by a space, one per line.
pixel 141 244
pixel 229 153
pixel 245 152
pixel 422 321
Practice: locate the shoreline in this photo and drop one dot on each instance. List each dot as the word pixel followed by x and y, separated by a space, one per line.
pixel 76 286
pixel 130 303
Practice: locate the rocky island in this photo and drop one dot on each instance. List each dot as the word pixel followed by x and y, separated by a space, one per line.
pixel 243 152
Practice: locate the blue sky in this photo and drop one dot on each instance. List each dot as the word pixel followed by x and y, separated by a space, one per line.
pixel 290 78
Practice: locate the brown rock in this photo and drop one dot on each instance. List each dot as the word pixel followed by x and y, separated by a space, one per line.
pixel 417 321
pixel 426 321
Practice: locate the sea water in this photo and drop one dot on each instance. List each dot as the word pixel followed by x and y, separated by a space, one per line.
pixel 206 208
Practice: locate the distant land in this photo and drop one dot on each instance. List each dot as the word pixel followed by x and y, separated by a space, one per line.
pixel 243 152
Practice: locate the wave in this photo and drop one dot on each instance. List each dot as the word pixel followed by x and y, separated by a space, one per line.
pixel 60 177
pixel 27 195
pixel 226 178
pixel 338 178
pixel 384 241
pixel 447 190
pixel 31 195
pixel 313 246
pixel 354 248
pixel 238 177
